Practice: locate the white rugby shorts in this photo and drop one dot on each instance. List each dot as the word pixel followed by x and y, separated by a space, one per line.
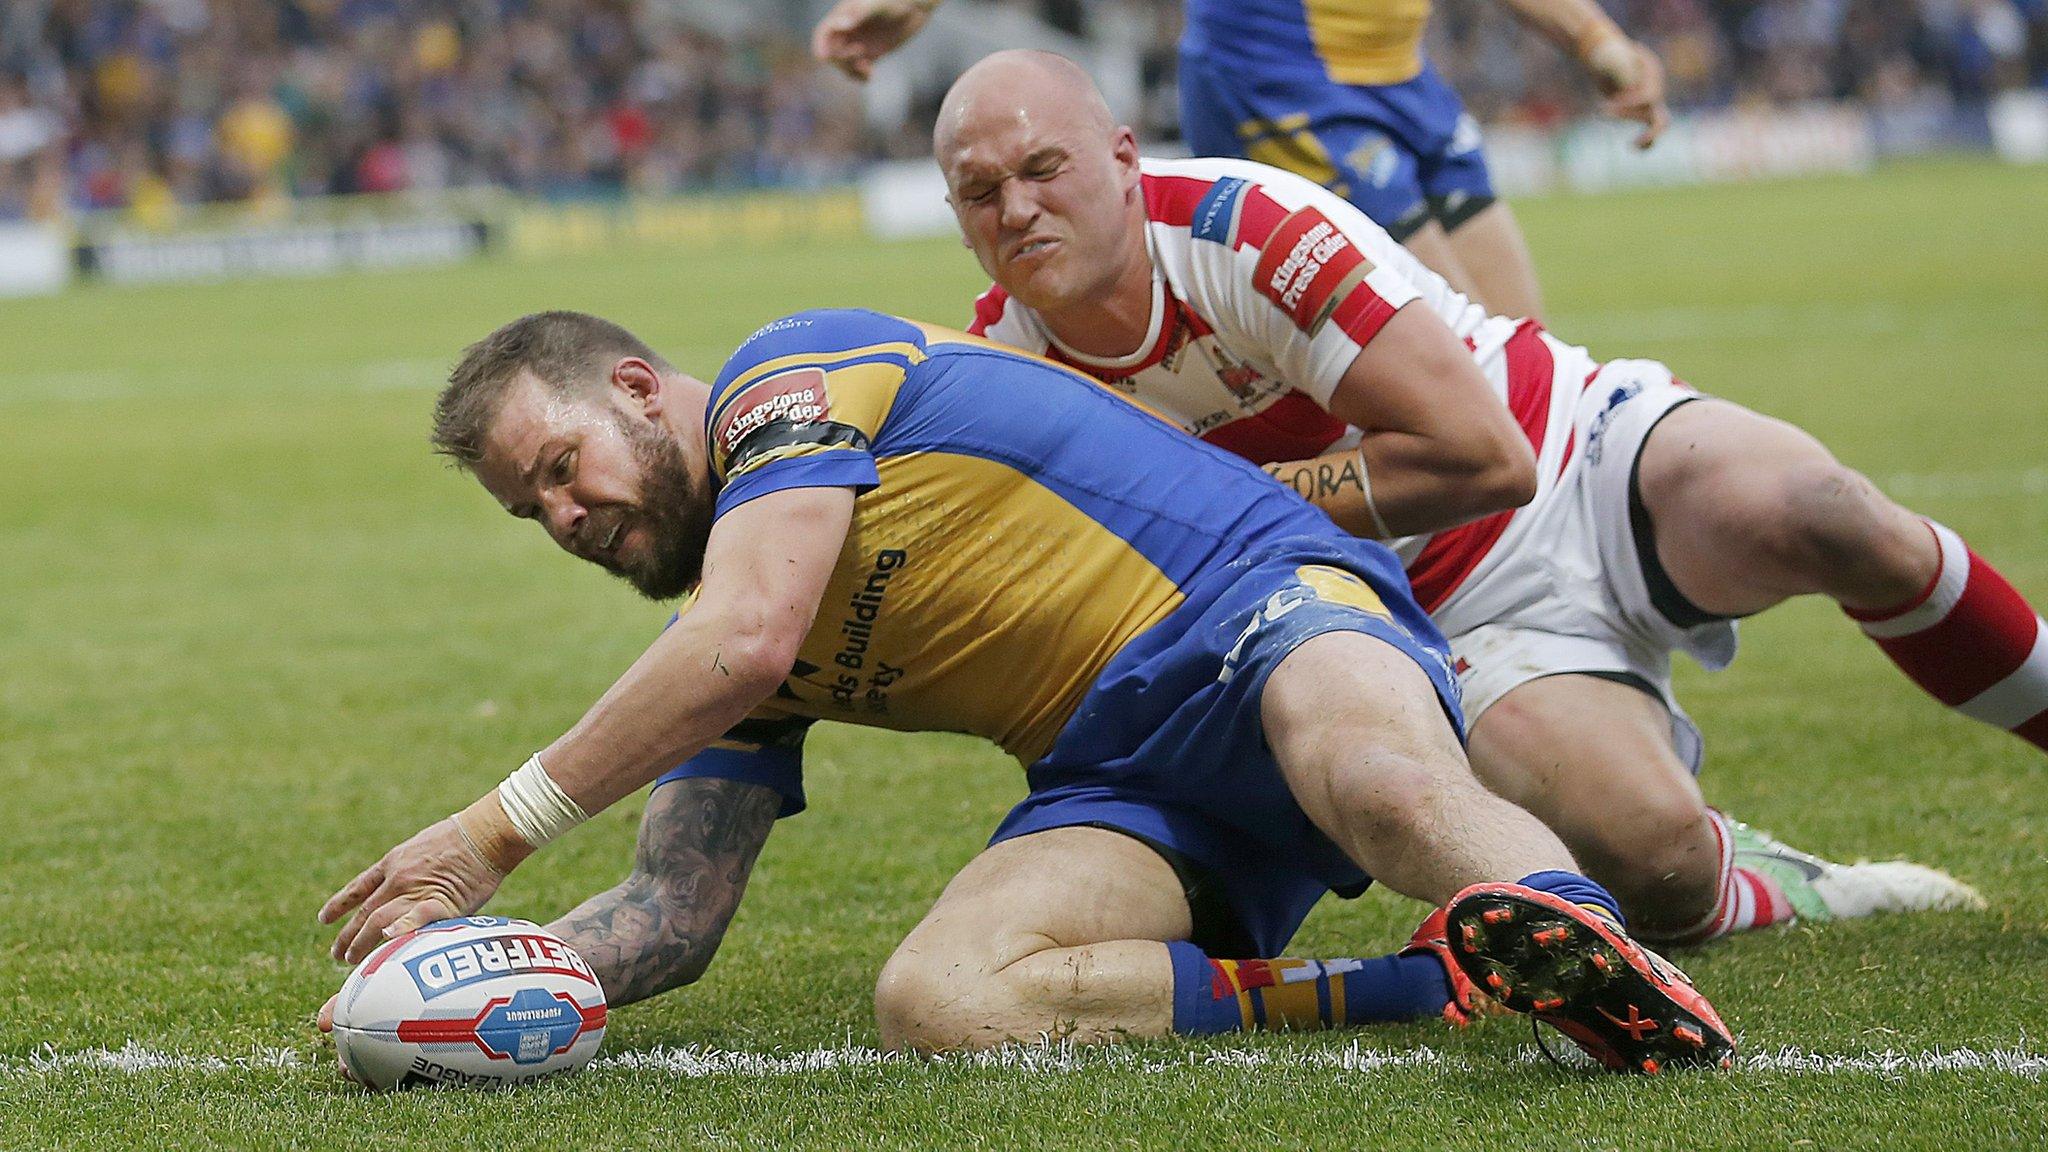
pixel 1570 596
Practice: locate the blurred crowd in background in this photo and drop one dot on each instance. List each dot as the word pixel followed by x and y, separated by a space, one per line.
pixel 150 106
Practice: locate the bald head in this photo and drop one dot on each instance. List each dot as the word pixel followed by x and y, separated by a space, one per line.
pixel 1044 181
pixel 1019 87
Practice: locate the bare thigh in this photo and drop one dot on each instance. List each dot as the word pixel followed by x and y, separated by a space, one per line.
pixel 1491 250
pixel 1749 511
pixel 1363 743
pixel 1056 933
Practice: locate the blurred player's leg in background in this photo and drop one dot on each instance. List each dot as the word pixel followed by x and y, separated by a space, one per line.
pixel 1748 511
pixel 1433 248
pixel 1490 249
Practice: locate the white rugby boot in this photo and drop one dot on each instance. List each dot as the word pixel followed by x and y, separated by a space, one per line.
pixel 1822 890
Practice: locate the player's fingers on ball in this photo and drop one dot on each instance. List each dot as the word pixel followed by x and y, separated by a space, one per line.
pixel 357 939
pixel 344 940
pixel 324 1019
pixel 418 916
pixel 402 914
pixel 352 893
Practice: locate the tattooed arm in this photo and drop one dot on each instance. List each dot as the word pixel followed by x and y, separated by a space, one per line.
pixel 658 928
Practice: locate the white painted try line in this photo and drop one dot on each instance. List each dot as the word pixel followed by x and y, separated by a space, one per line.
pixel 692 1062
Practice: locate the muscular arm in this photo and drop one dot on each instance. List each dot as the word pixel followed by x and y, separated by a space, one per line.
pixel 1439 447
pixel 659 927
pixel 765 569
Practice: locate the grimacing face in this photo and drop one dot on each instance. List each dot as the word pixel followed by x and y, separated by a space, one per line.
pixel 1043 202
pixel 608 485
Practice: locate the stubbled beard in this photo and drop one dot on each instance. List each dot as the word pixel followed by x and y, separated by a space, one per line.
pixel 676 514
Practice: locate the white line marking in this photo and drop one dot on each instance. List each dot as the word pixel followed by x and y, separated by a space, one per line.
pixel 693 1063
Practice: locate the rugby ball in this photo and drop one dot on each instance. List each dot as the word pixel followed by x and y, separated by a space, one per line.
pixel 474 1002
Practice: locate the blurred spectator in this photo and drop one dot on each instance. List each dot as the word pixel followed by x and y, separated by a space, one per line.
pixel 155 106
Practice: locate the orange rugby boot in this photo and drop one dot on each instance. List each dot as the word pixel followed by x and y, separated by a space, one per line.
pixel 1467 1003
pixel 1575 970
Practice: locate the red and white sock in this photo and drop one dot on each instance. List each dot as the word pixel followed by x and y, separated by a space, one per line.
pixel 1743 898
pixel 1971 641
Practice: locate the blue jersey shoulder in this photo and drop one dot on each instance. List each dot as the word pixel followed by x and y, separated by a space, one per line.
pixel 819 331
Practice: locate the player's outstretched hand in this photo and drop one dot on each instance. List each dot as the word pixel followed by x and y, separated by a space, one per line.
pixel 430 877
pixel 857 33
pixel 1638 94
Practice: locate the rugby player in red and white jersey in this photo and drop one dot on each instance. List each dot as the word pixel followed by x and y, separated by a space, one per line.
pixel 1271 318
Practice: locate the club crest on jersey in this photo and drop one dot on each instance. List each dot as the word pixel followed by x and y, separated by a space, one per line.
pixel 1308 267
pixel 796 397
pixel 444 970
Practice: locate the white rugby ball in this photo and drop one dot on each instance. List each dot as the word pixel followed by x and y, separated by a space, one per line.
pixel 474 1002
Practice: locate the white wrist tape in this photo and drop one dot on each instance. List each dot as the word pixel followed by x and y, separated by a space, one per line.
pixel 536 805
pixel 1379 522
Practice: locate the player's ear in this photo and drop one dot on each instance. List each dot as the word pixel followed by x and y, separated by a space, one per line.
pixel 1123 145
pixel 639 384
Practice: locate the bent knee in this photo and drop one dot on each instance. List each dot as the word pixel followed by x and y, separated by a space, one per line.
pixel 1652 844
pixel 929 1000
pixel 1829 527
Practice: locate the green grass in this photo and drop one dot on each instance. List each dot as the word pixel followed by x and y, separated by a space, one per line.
pixel 251 634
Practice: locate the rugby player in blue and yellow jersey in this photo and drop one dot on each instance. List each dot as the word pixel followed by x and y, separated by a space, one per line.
pixel 1339 91
pixel 1226 705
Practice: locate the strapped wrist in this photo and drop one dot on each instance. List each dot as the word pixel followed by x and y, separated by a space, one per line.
pixel 537 807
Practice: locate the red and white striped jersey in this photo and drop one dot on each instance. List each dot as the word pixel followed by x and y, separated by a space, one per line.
pixel 1265 288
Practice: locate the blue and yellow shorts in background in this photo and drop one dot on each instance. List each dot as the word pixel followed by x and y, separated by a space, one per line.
pixel 1403 153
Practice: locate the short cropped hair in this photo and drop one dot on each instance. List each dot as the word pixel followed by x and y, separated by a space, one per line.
pixel 563 351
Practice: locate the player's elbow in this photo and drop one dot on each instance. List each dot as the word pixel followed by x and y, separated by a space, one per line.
pixel 1511 480
pixel 758 661
pixel 1492 474
pixel 756 651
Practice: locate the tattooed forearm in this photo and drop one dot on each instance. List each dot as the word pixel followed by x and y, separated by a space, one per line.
pixel 658 928
pixel 1320 480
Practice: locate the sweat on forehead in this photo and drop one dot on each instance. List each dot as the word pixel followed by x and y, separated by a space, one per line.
pixel 1018 84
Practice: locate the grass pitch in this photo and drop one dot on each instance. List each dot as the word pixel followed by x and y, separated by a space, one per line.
pixel 251 634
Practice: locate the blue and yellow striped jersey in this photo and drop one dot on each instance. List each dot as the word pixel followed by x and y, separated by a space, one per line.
pixel 1017 524
pixel 1368 42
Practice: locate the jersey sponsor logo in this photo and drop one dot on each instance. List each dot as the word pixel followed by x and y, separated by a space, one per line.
pixel 1308 268
pixel 441 972
pixel 1216 213
pixel 794 397
pixel 864 677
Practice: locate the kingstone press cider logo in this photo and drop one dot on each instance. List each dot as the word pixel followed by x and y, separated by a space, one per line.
pixel 796 397
pixel 445 970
